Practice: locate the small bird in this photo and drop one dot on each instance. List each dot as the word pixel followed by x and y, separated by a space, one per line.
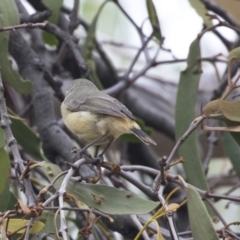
pixel 97 118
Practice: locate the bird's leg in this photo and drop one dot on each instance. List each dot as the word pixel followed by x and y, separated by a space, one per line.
pixel 100 156
pixel 81 151
pixel 96 151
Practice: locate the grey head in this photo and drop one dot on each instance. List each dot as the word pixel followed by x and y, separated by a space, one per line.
pixel 82 85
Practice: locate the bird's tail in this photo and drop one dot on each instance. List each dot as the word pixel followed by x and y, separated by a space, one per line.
pixel 142 136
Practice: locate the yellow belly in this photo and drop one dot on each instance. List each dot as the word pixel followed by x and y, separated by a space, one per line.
pixel 88 126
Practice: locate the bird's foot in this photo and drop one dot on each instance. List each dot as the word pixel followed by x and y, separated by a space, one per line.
pixel 98 160
pixel 80 152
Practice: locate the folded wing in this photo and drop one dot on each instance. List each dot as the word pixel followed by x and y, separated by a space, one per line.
pixel 103 104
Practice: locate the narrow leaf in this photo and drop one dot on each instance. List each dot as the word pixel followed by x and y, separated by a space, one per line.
pixel 4 168
pixel 47 218
pixel 185 113
pixel 2 138
pixel 4 197
pixel 104 198
pixel 228 109
pixel 154 19
pixel 89 47
pixel 9 16
pixel 232 150
pixel 234 55
pixel 212 112
pixel 25 136
pixel 15 224
pixel 200 221
pixel 201 11
pixel 55 7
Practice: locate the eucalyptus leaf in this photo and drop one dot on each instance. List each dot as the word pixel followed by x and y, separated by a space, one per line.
pixel 231 126
pixel 201 11
pixel 89 47
pixel 185 113
pixel 47 217
pixel 2 138
pixel 4 168
pixel 5 197
pixel 232 150
pixel 154 19
pixel 55 7
pixel 9 16
pixel 200 221
pixel 25 136
pixel 104 198
pixel 228 109
pixel 15 224
pixel 234 55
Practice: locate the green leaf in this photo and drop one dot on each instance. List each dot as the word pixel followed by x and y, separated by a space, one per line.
pixel 89 46
pixel 201 11
pixel 2 138
pixel 9 16
pixel 234 55
pixel 132 138
pixel 235 135
pixel 4 168
pixel 15 224
pixel 154 19
pixel 185 113
pixel 55 7
pixel 25 136
pixel 5 197
pixel 228 112
pixel 228 109
pixel 47 217
pixel 200 221
pixel 104 198
pixel 232 150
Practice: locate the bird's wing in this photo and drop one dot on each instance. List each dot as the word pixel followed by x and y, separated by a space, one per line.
pixel 99 105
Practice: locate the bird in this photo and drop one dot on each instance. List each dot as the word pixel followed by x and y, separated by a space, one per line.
pixel 96 117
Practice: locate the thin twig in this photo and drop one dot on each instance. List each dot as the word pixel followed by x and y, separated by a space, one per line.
pixel 62 192
pixel 24 25
pixel 68 39
pixel 139 226
pixel 182 139
pixel 12 143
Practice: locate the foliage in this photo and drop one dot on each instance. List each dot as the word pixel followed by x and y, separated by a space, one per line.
pixel 51 190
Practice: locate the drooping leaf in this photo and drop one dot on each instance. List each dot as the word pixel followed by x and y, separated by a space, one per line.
pixel 9 16
pixel 2 138
pixel 104 198
pixel 89 47
pixel 15 224
pixel 228 109
pixel 235 135
pixel 4 168
pixel 154 19
pixel 4 197
pixel 200 221
pixel 185 113
pixel 55 7
pixel 25 136
pixel 232 150
pixel 47 217
pixel 228 112
pixel 12 201
pixel 201 11
pixel 234 55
